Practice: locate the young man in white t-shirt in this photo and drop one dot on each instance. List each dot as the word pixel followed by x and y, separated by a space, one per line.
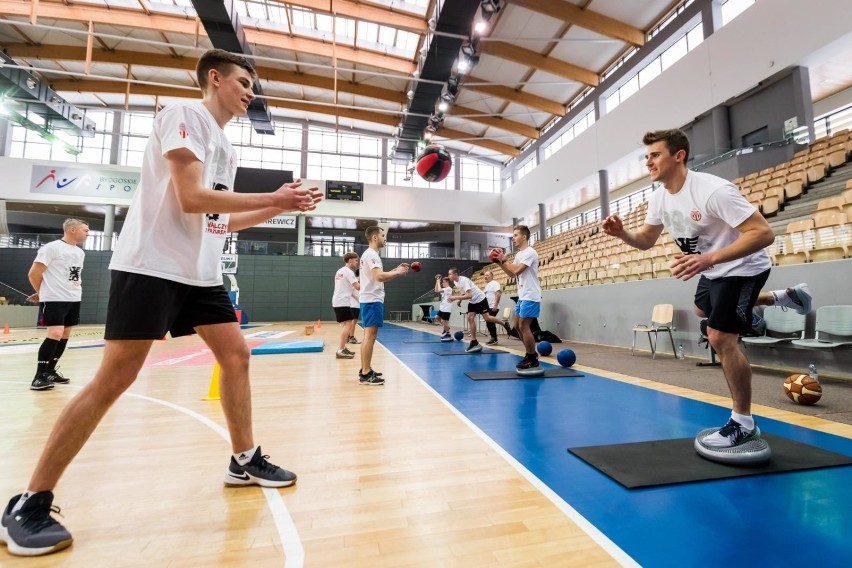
pixel 477 304
pixel 373 278
pixel 493 292
pixel 445 305
pixel 166 277
pixel 345 284
pixel 57 278
pixel 524 267
pixel 722 238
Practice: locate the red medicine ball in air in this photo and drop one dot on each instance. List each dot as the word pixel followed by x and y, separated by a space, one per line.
pixel 434 163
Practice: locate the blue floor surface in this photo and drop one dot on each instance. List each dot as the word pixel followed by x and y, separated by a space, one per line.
pixel 780 520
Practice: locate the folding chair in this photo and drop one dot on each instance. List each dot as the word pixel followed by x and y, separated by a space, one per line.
pixel 661 321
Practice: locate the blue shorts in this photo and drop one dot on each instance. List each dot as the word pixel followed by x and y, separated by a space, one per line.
pixel 372 314
pixel 528 309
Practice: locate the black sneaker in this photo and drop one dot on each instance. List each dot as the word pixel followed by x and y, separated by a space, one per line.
pixel 42 381
pixel 57 377
pixel 31 531
pixel 492 342
pixel 474 347
pixel 370 379
pixel 354 341
pixel 345 350
pixel 344 354
pixel 446 337
pixel 258 472
pixel 529 367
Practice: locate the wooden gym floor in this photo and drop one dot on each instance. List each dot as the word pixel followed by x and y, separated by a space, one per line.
pixel 388 476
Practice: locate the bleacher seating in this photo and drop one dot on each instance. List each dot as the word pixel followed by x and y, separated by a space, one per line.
pixel 821 229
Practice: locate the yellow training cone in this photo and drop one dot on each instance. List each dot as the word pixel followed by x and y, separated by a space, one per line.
pixel 213 391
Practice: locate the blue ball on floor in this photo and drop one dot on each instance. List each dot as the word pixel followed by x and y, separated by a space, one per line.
pixel 459 335
pixel 544 348
pixel 566 357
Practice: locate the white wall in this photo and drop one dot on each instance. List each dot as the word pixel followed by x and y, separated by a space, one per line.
pixel 769 36
pixel 380 201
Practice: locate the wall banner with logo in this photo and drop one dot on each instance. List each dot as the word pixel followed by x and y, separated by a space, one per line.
pixel 81 181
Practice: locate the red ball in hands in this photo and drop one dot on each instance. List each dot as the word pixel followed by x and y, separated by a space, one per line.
pixel 494 254
pixel 416 266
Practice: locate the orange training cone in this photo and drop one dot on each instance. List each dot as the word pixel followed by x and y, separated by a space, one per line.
pixel 213 391
pixel 319 324
pixel 6 329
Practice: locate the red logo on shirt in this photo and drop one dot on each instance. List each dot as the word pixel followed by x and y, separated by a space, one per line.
pixel 695 214
pixel 182 130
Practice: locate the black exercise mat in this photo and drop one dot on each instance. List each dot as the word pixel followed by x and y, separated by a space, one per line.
pixel 485 351
pixel 497 375
pixel 667 462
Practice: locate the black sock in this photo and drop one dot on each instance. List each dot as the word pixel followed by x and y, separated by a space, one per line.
pixel 45 354
pixel 60 349
pixel 532 356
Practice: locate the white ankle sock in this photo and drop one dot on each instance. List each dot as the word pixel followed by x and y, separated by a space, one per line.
pixel 746 421
pixel 24 496
pixel 244 457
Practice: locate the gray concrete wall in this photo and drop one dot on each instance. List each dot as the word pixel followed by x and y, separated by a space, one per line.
pixel 606 313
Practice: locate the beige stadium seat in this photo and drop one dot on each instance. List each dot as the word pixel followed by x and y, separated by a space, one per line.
pixel 831 203
pixel 662 270
pixel 794 187
pixel 759 187
pixel 822 254
pixel 770 206
pixel 788 258
pixel 838 154
pixel 817 170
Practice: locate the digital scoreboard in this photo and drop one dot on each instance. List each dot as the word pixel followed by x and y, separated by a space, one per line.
pixel 344 190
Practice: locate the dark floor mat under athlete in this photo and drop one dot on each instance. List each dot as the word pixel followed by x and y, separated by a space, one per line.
pixel 485 351
pixel 555 373
pixel 667 462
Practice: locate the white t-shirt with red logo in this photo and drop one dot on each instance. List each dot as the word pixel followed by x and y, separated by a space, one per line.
pixel 62 281
pixel 158 238
pixel 702 217
pixel 528 285
pixel 371 289
pixel 343 279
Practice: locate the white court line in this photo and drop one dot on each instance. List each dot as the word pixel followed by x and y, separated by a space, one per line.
pixel 594 533
pixel 292 544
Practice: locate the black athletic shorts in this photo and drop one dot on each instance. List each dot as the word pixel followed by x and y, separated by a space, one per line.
pixel 480 307
pixel 66 314
pixel 146 307
pixel 727 302
pixel 356 313
pixel 444 316
pixel 343 314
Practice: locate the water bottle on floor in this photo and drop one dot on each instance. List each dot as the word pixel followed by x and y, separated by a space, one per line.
pixel 812 371
pixel 680 354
